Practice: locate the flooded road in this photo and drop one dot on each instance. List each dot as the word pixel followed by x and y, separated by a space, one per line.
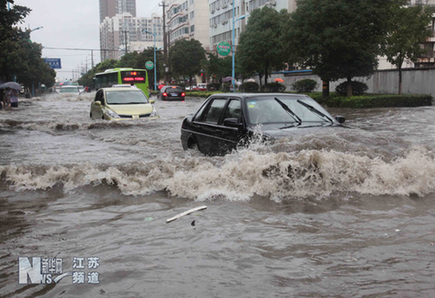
pixel 350 213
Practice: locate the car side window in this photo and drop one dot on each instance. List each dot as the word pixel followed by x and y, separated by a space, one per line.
pixel 215 111
pixel 234 110
pixel 99 96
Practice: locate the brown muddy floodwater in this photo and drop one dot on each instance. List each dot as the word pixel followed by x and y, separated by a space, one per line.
pixel 347 214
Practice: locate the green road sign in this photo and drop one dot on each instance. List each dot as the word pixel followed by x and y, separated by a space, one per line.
pixel 149 65
pixel 224 48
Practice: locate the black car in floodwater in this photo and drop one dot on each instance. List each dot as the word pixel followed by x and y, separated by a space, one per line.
pixel 171 93
pixel 228 120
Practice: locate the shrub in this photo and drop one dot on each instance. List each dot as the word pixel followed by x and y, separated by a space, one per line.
pixel 358 88
pixel 213 86
pixel 249 87
pixel 304 86
pixel 274 87
pixel 374 101
pixel 226 86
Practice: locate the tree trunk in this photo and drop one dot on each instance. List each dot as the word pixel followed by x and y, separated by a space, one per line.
pixel 349 87
pixel 266 73
pixel 325 89
pixel 400 79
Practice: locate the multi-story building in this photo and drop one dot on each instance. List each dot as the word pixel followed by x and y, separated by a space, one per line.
pixel 124 33
pixel 428 46
pixel 110 8
pixel 187 19
pixel 221 17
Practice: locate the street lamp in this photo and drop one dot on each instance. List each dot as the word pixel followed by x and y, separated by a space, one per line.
pixel 31 30
pixel 37 28
pixel 233 46
pixel 155 65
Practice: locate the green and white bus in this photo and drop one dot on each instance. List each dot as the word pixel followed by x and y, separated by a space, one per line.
pixel 113 76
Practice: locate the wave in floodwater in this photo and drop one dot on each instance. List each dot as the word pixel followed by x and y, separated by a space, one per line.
pixel 243 174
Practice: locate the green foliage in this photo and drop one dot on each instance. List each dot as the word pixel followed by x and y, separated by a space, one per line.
pixel 203 94
pixel 217 67
pixel 213 86
pixel 358 88
pixel 338 39
pixel 20 58
pixel 274 87
pixel 374 101
pixel 304 86
pixel 408 28
pixel 249 87
pixel 260 47
pixel 186 58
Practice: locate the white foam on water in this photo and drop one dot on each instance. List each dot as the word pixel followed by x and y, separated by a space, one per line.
pixel 244 174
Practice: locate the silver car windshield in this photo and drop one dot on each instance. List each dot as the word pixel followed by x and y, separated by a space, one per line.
pixel 123 97
pixel 69 90
pixel 267 110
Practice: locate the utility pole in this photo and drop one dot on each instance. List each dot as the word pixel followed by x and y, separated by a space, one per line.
pixel 125 41
pixel 165 43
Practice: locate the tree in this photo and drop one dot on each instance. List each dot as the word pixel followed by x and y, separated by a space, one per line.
pixel 186 58
pixel 338 39
pixel 20 58
pixel 10 38
pixel 260 47
pixel 218 67
pixel 409 27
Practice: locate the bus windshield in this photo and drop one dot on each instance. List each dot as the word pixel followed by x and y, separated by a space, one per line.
pixel 115 76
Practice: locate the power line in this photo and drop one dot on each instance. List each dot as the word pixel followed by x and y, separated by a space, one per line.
pixel 77 49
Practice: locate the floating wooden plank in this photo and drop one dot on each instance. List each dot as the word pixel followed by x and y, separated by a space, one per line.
pixel 186 213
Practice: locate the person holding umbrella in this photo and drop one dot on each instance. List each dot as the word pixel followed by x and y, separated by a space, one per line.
pixel 11 96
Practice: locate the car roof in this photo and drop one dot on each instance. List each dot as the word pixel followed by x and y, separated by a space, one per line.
pixel 133 88
pixel 257 95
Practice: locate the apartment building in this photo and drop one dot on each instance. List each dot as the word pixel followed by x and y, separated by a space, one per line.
pixel 124 33
pixel 221 17
pixel 187 19
pixel 110 8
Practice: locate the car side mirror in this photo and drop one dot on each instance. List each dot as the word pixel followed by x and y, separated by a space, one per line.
pixel 152 101
pixel 98 102
pixel 340 119
pixel 232 122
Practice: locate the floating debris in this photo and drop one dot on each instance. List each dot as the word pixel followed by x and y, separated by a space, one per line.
pixel 186 213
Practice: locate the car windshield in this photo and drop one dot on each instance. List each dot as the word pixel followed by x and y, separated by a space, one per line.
pixel 172 89
pixel 69 90
pixel 122 97
pixel 268 110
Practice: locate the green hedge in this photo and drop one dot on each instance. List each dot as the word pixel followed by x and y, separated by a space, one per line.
pixel 373 101
pixel 364 101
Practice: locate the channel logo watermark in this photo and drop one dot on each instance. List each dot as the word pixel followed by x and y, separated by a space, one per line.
pixel 39 270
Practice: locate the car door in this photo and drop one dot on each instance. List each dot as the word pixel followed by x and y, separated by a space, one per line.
pixel 206 128
pixel 232 131
pixel 96 108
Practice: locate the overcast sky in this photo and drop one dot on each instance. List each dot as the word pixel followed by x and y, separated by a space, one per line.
pixel 72 24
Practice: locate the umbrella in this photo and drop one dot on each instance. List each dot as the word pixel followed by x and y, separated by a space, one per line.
pixel 12 85
pixel 227 79
pixel 279 80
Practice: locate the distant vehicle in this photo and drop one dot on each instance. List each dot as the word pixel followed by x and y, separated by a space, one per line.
pixel 136 77
pixel 202 87
pixel 69 89
pixel 171 93
pixel 122 103
pixel 191 88
pixel 228 120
